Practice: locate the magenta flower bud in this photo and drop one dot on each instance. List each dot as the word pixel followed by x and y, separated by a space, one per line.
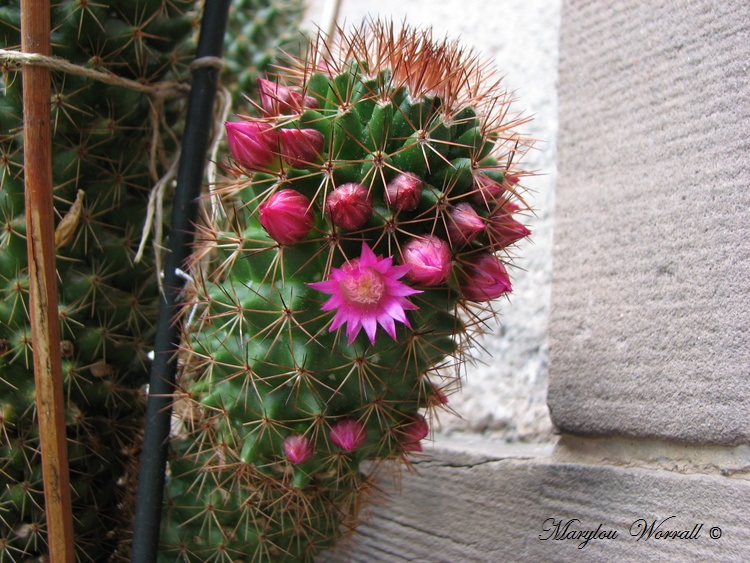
pixel 464 223
pixel 438 398
pixel 404 191
pixel 503 229
pixel 349 206
pixel 485 190
pixel 254 144
pixel 301 147
pixel 485 278
pixel 348 434
pixel 413 432
pixel 276 99
pixel 429 258
pixel 286 216
pixel 298 448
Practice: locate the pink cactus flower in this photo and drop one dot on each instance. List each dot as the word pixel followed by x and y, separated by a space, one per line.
pixel 503 229
pixel 301 147
pixel 298 448
pixel 287 216
pixel 429 258
pixel 486 191
pixel 254 144
pixel 276 99
pixel 404 191
pixel 412 433
pixel 348 434
pixel 365 292
pixel 464 224
pixel 485 278
pixel 349 206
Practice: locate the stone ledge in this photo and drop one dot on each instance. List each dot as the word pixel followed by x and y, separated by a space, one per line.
pixel 709 459
pixel 492 505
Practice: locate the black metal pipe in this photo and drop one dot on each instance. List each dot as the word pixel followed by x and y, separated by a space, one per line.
pixel 195 139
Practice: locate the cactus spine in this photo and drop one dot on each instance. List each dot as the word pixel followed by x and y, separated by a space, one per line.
pixel 369 217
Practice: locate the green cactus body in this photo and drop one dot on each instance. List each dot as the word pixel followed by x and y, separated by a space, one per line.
pixel 102 142
pixel 367 226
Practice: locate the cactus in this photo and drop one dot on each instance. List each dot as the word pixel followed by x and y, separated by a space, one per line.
pixel 369 214
pixel 103 169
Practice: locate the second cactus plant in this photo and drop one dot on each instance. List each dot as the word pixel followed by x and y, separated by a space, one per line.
pixel 366 225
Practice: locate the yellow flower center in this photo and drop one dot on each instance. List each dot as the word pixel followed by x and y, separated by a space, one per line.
pixel 365 289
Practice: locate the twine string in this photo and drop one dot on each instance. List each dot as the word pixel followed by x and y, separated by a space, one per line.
pixel 168 88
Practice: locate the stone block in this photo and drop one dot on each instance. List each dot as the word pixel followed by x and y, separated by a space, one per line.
pixel 650 302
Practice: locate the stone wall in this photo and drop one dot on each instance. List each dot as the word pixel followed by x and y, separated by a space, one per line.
pixel 650 352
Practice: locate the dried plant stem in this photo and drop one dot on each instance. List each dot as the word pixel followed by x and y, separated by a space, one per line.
pixel 45 329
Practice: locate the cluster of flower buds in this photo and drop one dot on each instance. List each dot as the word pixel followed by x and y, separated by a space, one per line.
pixel 257 145
pixel 350 434
pixel 477 225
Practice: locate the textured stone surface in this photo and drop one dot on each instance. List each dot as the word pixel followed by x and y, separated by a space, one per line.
pixel 504 394
pixel 492 506
pixel 651 308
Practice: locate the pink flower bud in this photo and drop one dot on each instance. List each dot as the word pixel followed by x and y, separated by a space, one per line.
pixel 404 191
pixel 349 206
pixel 348 434
pixel 464 223
pixel 276 99
pixel 412 432
pixel 437 398
pixel 254 144
pixel 485 278
pixel 485 190
pixel 286 216
pixel 298 448
pixel 429 258
pixel 301 147
pixel 503 229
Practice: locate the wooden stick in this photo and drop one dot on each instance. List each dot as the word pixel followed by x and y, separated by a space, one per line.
pixel 45 327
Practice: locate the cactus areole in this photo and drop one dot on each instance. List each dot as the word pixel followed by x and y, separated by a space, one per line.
pixel 367 225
